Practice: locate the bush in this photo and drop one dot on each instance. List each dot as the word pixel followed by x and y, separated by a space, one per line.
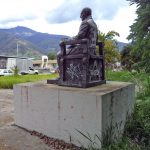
pixel 138 126
pixel 137 129
pixel 15 70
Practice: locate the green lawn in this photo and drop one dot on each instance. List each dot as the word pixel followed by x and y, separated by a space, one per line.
pixel 7 82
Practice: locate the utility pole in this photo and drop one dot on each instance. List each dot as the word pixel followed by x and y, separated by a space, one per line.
pixel 17 48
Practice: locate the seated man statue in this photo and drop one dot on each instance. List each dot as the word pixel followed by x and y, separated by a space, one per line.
pixel 88 30
pixel 79 66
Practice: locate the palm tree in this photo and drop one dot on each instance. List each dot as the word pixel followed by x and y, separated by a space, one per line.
pixel 112 54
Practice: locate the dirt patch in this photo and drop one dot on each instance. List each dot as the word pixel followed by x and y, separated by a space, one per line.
pixel 14 138
pixel 4 146
pixel 6 107
pixel 6 119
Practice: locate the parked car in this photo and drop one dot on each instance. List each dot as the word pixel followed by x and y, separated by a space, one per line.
pixel 30 71
pixel 6 72
pixel 54 70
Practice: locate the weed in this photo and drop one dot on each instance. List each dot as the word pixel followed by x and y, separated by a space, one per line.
pixel 137 129
pixel 15 70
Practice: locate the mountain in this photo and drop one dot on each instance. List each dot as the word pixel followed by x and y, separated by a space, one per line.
pixel 30 43
pixel 42 42
pixel 8 46
pixel 121 45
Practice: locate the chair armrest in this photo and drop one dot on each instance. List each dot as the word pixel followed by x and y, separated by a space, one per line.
pixel 74 41
pixel 101 47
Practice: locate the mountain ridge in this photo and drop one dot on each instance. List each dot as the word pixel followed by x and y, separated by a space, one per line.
pixel 33 41
pixel 30 43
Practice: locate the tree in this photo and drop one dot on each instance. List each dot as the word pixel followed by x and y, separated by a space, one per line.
pixel 140 34
pixel 138 2
pixel 110 47
pixel 52 55
pixel 129 57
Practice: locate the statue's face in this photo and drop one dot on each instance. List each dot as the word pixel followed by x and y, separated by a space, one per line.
pixel 83 15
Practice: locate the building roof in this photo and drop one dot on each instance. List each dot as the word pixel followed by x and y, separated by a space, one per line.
pixel 4 56
pixel 36 62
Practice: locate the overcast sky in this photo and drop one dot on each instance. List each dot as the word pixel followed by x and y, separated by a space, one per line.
pixel 63 16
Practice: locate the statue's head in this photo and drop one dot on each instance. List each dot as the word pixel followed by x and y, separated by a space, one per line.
pixel 85 13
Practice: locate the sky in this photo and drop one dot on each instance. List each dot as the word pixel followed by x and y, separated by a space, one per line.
pixel 63 16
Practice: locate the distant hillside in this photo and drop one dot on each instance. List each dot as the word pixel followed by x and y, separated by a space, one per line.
pixel 44 42
pixel 8 46
pixel 121 45
pixel 30 43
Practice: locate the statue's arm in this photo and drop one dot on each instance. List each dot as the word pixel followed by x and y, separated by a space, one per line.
pixel 81 37
pixel 84 27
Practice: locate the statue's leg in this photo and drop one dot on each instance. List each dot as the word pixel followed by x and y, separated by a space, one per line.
pixel 59 55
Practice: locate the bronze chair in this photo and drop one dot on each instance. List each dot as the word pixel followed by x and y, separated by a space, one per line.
pixel 81 70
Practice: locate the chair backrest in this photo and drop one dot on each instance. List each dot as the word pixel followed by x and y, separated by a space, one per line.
pixel 82 70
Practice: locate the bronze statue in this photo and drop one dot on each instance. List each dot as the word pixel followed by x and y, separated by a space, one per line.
pixel 79 66
pixel 88 30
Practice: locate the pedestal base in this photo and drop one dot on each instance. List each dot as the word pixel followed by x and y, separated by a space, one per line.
pixel 65 112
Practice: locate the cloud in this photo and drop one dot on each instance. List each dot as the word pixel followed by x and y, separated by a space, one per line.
pixel 15 19
pixel 20 10
pixel 70 10
pixel 120 22
pixel 63 16
pixel 59 11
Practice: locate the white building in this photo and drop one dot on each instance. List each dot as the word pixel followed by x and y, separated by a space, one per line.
pixel 8 62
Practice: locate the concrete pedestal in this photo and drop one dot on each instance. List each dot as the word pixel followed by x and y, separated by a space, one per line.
pixel 64 112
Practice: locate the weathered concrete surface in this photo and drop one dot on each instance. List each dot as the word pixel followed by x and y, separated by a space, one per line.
pixel 62 112
pixel 12 137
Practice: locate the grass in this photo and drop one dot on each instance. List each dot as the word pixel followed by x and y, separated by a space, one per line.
pixel 7 82
pixel 137 129
pixel 126 76
pixel 118 76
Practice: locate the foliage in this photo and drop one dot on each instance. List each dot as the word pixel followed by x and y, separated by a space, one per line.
pixel 119 76
pixel 129 58
pixel 110 47
pixel 137 128
pixel 109 36
pixel 15 69
pixel 7 82
pixel 138 2
pixel 140 34
pixel 52 55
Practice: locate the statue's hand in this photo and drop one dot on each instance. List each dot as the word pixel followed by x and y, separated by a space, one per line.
pixel 74 37
pixel 61 43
